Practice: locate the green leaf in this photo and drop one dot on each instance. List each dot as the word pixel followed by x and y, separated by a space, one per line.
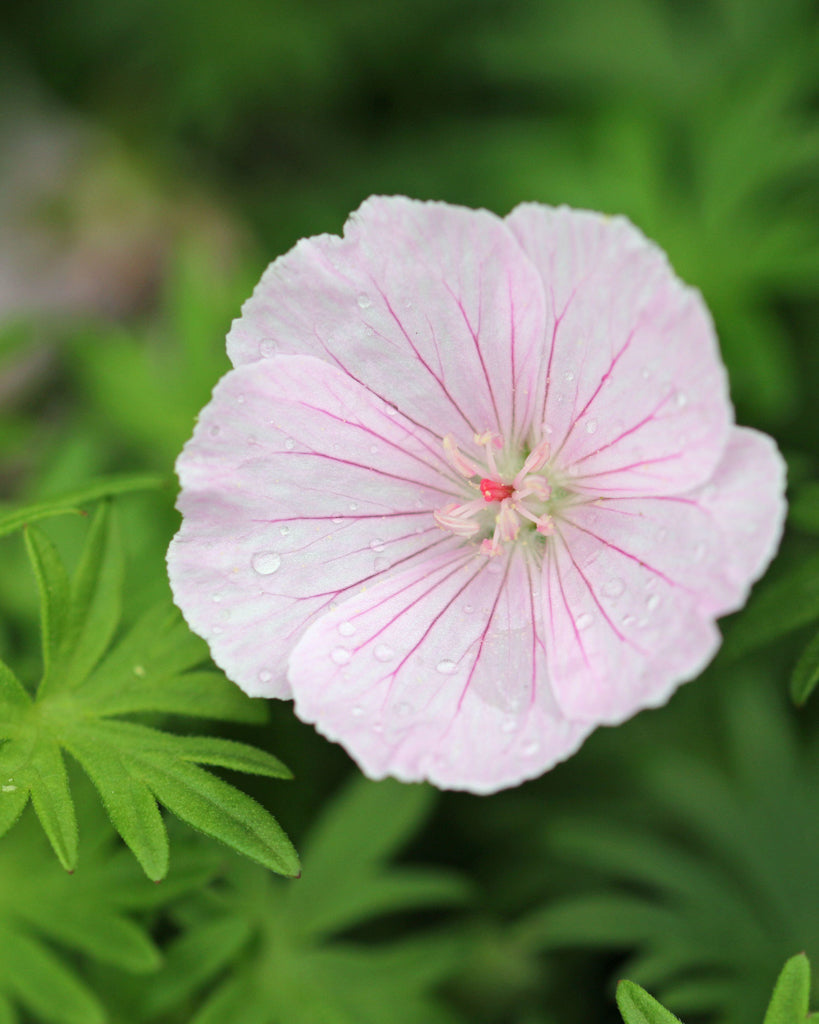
pixel 51 797
pixel 12 692
pixel 789 1003
pixel 806 673
pixel 217 809
pixel 130 804
pixel 638 1007
pixel 776 608
pixel 72 501
pixel 96 600
pixel 803 512
pixel 52 581
pixel 41 983
pixel 13 799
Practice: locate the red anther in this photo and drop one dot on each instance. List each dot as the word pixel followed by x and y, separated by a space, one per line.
pixel 493 491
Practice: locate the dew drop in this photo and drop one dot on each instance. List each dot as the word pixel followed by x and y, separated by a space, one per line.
pixel 508 725
pixel 681 399
pixel 652 602
pixel 373 449
pixel 591 426
pixel 340 655
pixel 377 544
pixel 337 519
pixel 240 399
pixel 614 587
pixel 265 676
pixel 364 301
pixel 369 331
pixel 216 597
pixel 214 431
pixel 353 506
pixel 402 708
pixel 266 562
pixel 530 748
pixel 391 410
pixel 568 376
pixel 268 347
pixel 446 668
pixel 217 629
pixel 583 621
pixel 628 620
pixel 284 530
pixel 494 567
pixel 645 373
pixel 290 444
pixel 346 628
pixel 383 653
pixel 357 711
pixel 651 582
pixel 468 609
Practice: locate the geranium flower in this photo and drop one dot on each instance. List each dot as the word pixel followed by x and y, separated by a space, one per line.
pixel 472 489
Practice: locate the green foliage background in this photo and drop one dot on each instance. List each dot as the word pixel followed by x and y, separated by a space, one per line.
pixel 678 850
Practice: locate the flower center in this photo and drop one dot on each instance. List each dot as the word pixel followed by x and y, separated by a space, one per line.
pixel 521 500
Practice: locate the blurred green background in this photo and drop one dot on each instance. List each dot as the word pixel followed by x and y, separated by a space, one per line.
pixel 155 156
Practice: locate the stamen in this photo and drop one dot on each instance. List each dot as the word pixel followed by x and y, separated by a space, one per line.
pixel 466 467
pixel 534 461
pixel 507 521
pixel 457 518
pixel 488 440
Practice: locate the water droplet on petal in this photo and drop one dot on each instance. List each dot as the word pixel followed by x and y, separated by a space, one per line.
pixel 681 399
pixel 268 347
pixel 591 426
pixel 377 544
pixel 346 628
pixel 652 602
pixel 373 449
pixel 357 711
pixel 216 597
pixel 446 668
pixel 568 376
pixel 383 653
pixel 364 301
pixel 645 373
pixel 214 431
pixel 584 621
pixel 628 620
pixel 531 747
pixel 508 725
pixel 340 655
pixel 265 676
pixel 284 530
pixel 468 609
pixel 391 410
pixel 402 708
pixel 266 562
pixel 290 444
pixel 240 399
pixel 337 519
pixel 614 587
pixel 353 506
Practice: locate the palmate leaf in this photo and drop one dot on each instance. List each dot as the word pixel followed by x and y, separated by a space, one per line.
pixel 638 1007
pixel 86 683
pixel 292 964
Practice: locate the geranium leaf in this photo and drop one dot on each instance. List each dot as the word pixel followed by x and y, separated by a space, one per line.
pixel 789 1002
pixel 48 783
pixel 72 501
pixel 40 982
pixel 52 581
pixel 130 804
pixel 217 809
pixel 806 672
pixel 13 800
pixel 12 692
pixel 96 600
pixel 638 1007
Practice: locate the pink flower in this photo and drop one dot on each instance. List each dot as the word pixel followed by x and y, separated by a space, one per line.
pixel 472 488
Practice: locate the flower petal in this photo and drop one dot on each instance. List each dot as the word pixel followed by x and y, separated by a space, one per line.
pixel 299 486
pixel 632 582
pixel 438 673
pixel 433 307
pixel 636 398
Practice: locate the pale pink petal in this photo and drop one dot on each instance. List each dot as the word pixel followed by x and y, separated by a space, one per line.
pixel 299 487
pixel 438 673
pixel 433 307
pixel 636 398
pixel 621 635
pixel 745 499
pixel 632 583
